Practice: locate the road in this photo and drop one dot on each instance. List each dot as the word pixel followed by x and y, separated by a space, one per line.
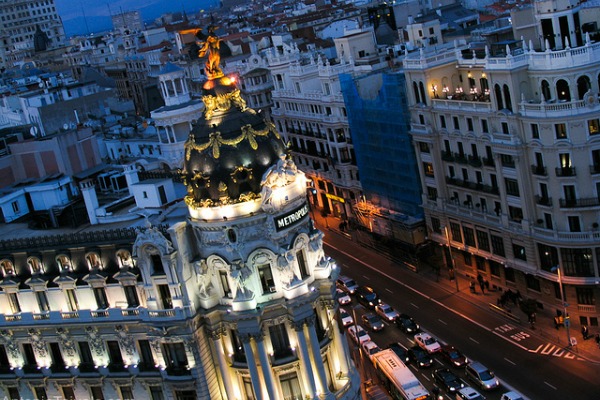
pixel 520 359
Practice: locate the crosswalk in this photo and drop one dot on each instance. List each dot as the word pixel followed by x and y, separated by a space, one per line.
pixel 532 344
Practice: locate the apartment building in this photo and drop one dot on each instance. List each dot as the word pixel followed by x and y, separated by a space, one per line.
pixel 507 142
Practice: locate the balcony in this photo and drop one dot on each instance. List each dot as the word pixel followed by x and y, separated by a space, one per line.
pixel 475 161
pixel 447 156
pixel 539 170
pixel 117 368
pixel 594 169
pixel 461 158
pixel 472 185
pixel 175 370
pixel 508 163
pixel 543 200
pixel 87 367
pixel 579 203
pixel 565 171
pixel 488 162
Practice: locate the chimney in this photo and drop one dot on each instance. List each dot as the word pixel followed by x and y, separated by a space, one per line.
pixel 88 190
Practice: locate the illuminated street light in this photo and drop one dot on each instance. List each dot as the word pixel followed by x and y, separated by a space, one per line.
pixel 564 302
pixel 445 228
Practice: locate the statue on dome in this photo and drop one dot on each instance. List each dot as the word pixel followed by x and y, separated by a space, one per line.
pixel 210 45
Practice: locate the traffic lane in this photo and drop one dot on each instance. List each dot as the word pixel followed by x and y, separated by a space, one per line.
pixel 408 297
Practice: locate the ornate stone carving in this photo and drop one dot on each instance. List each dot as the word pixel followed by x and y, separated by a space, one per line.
pixel 277 176
pixel 95 340
pixel 151 235
pixel 240 273
pixel 66 341
pixel 284 266
pixel 7 338
pixel 39 345
pixel 204 277
pixel 125 340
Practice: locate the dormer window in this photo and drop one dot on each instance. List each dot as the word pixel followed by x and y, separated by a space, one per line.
pixel 124 259
pixel 93 261
pixel 35 265
pixel 8 268
pixel 64 263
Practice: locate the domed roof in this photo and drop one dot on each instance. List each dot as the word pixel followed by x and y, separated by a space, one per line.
pixel 228 150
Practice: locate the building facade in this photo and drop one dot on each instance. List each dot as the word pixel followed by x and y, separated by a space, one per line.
pixel 506 142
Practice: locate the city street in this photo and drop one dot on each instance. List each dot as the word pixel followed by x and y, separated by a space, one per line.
pixel 521 358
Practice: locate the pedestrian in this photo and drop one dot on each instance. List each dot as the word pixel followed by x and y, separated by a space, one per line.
pixel 482 286
pixel 472 286
pixel 487 284
pixel 584 332
pixel 598 339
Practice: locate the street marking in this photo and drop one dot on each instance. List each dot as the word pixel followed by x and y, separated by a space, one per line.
pixel 367 278
pixel 558 353
pixel 389 291
pixel 553 387
pixel 548 349
pixel 505 328
pixel 571 356
pixel 520 336
pixel 414 305
pixel 473 340
pixel 507 360
pixel 442 322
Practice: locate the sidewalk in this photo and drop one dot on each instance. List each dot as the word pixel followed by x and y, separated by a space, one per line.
pixel 544 326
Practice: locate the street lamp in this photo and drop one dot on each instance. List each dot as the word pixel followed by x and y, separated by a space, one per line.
pixel 564 302
pixel 445 228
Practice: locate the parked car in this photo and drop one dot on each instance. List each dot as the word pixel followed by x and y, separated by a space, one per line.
pixel 346 284
pixel 386 312
pixel 512 395
pixel 483 377
pixel 400 351
pixel 346 317
pixel 367 297
pixel 370 348
pixel 468 393
pixel 420 357
pixel 427 342
pixel 342 297
pixel 454 357
pixel 373 322
pixel 358 334
pixel 448 380
pixel 407 324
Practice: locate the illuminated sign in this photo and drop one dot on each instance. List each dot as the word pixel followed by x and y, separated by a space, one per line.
pixel 336 198
pixel 291 218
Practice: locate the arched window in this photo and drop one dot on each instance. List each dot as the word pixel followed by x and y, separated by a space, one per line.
pixel 583 86
pixel 422 91
pixel 498 93
pixel 7 267
pixel 416 90
pixel 93 261
pixel 562 90
pixel 546 90
pixel 35 265
pixel 124 259
pixel 64 263
pixel 507 97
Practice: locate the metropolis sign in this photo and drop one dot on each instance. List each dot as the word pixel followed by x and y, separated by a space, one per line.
pixel 291 218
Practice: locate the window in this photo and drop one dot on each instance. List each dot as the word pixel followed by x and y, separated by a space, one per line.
pixel 97 393
pixel 532 282
pixel 484 126
pixel 443 122
pixel 560 130
pixel 505 128
pixel 15 206
pixel 507 160
pixel 156 393
pixel 436 226
pixel 455 231
pixel 519 252
pixel 535 131
pixel 548 220
pixel 40 393
pixel 515 213
pixel 593 126
pixel 509 274
pixel 497 245
pixel 302 265
pixel 577 262
pixel 157 265
pixel 225 283
pixel 131 295
pixel 175 356
pixel 424 147
pixel 101 299
pixel 165 296
pixel 585 296
pixel 93 260
pixel 574 223
pixel 428 169
pixel 114 353
pixel 85 355
pixel 42 300
pixel 249 390
pixel 68 393
pixel 483 241
pixel 431 193
pixel 290 385
pixel 13 299
pixel 72 299
pixel 468 260
pixel 35 265
pixel 512 187
pixel 266 278
pixel 548 256
pixel 126 392
pixel 456 123
pixel 147 362
pixel 470 124
pixel 469 236
pixel 280 341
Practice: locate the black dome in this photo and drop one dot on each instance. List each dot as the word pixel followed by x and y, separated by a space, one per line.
pixel 228 150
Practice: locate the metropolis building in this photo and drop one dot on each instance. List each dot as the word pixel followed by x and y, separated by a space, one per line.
pixel 507 137
pixel 230 296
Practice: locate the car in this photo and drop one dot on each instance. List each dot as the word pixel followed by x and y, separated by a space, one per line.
pixel 358 334
pixel 342 297
pixel 367 297
pixel 420 357
pixel 386 312
pixel 370 348
pixel 373 322
pixel 346 317
pixel 483 377
pixel 407 324
pixel 346 284
pixel 400 351
pixel 512 395
pixel 454 357
pixel 468 393
pixel 448 380
pixel 427 342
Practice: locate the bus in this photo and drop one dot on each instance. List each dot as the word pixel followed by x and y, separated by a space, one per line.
pixel 397 377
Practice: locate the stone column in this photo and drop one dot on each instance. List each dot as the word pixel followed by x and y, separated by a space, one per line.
pixel 265 366
pixel 245 338
pixel 316 353
pixel 339 346
pixel 307 374
pixel 225 373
